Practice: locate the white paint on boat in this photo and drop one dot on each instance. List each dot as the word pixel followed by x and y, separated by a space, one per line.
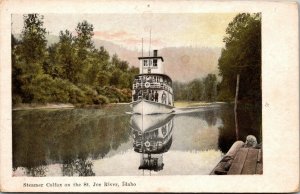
pixel 147 107
pixel 148 122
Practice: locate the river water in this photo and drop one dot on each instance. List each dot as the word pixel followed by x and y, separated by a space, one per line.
pixel 110 142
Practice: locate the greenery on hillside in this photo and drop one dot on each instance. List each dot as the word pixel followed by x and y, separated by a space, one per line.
pixel 242 55
pixel 70 71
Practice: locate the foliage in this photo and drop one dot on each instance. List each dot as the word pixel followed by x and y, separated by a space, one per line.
pixel 197 90
pixel 69 71
pixel 242 55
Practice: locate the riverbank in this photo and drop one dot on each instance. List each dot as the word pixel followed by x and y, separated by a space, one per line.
pixel 177 104
pixel 60 106
pixel 41 106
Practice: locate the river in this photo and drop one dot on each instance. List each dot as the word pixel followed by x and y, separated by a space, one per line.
pixel 111 142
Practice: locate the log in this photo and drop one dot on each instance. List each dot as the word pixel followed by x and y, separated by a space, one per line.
pixel 224 165
pixel 234 148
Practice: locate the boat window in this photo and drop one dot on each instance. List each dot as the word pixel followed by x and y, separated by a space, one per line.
pixel 145 63
pixel 154 62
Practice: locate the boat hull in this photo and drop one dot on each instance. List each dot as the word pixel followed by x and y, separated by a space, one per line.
pixel 146 107
pixel 149 122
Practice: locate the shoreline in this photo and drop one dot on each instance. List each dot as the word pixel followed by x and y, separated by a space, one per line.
pixel 42 106
pixel 36 106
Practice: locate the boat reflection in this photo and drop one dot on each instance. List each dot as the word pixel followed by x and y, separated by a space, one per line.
pixel 152 135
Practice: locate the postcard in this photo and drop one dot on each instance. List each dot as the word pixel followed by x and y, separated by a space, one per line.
pixel 149 96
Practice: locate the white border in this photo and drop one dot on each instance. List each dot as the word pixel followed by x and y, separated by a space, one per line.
pixel 280 73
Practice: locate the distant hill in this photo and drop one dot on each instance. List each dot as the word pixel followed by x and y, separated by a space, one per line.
pixel 188 63
pixel 181 63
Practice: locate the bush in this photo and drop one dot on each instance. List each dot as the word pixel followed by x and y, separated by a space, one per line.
pixel 61 91
pixel 99 99
pixel 16 99
pixel 76 95
pixel 41 88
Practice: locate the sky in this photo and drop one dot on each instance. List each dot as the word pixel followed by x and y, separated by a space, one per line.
pixel 127 30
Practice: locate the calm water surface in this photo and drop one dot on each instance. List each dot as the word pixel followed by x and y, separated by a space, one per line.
pixel 99 142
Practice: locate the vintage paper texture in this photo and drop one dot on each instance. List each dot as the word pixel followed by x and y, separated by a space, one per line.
pixel 280 87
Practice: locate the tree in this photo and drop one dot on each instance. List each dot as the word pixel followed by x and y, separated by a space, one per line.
pixel 194 91
pixel 242 55
pixel 83 45
pixel 16 71
pixel 102 79
pixel 115 61
pixel 85 33
pixel 83 39
pixel 29 55
pixel 115 77
pixel 103 57
pixel 33 38
pixel 210 85
pixel 197 89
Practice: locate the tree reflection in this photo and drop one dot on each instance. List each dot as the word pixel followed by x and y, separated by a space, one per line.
pixel 69 137
pixel 249 119
pixel 210 116
pixel 38 171
pixel 80 167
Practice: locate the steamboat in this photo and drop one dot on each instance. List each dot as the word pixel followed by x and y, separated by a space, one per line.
pixel 152 91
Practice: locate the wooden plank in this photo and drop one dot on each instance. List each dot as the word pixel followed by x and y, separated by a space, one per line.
pixel 238 162
pixel 259 158
pixel 259 168
pixel 251 161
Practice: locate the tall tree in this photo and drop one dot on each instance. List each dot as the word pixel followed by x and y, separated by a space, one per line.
pixel 66 56
pixel 33 38
pixel 30 54
pixel 83 39
pixel 242 55
pixel 84 45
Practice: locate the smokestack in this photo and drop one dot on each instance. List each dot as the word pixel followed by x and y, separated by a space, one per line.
pixel 155 53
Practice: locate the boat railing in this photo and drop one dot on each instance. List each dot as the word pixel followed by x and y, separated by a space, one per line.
pixel 149 145
pixel 153 85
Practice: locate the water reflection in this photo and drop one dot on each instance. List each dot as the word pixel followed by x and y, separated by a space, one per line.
pixel 250 123
pixel 79 167
pixel 108 142
pixel 73 138
pixel 152 136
